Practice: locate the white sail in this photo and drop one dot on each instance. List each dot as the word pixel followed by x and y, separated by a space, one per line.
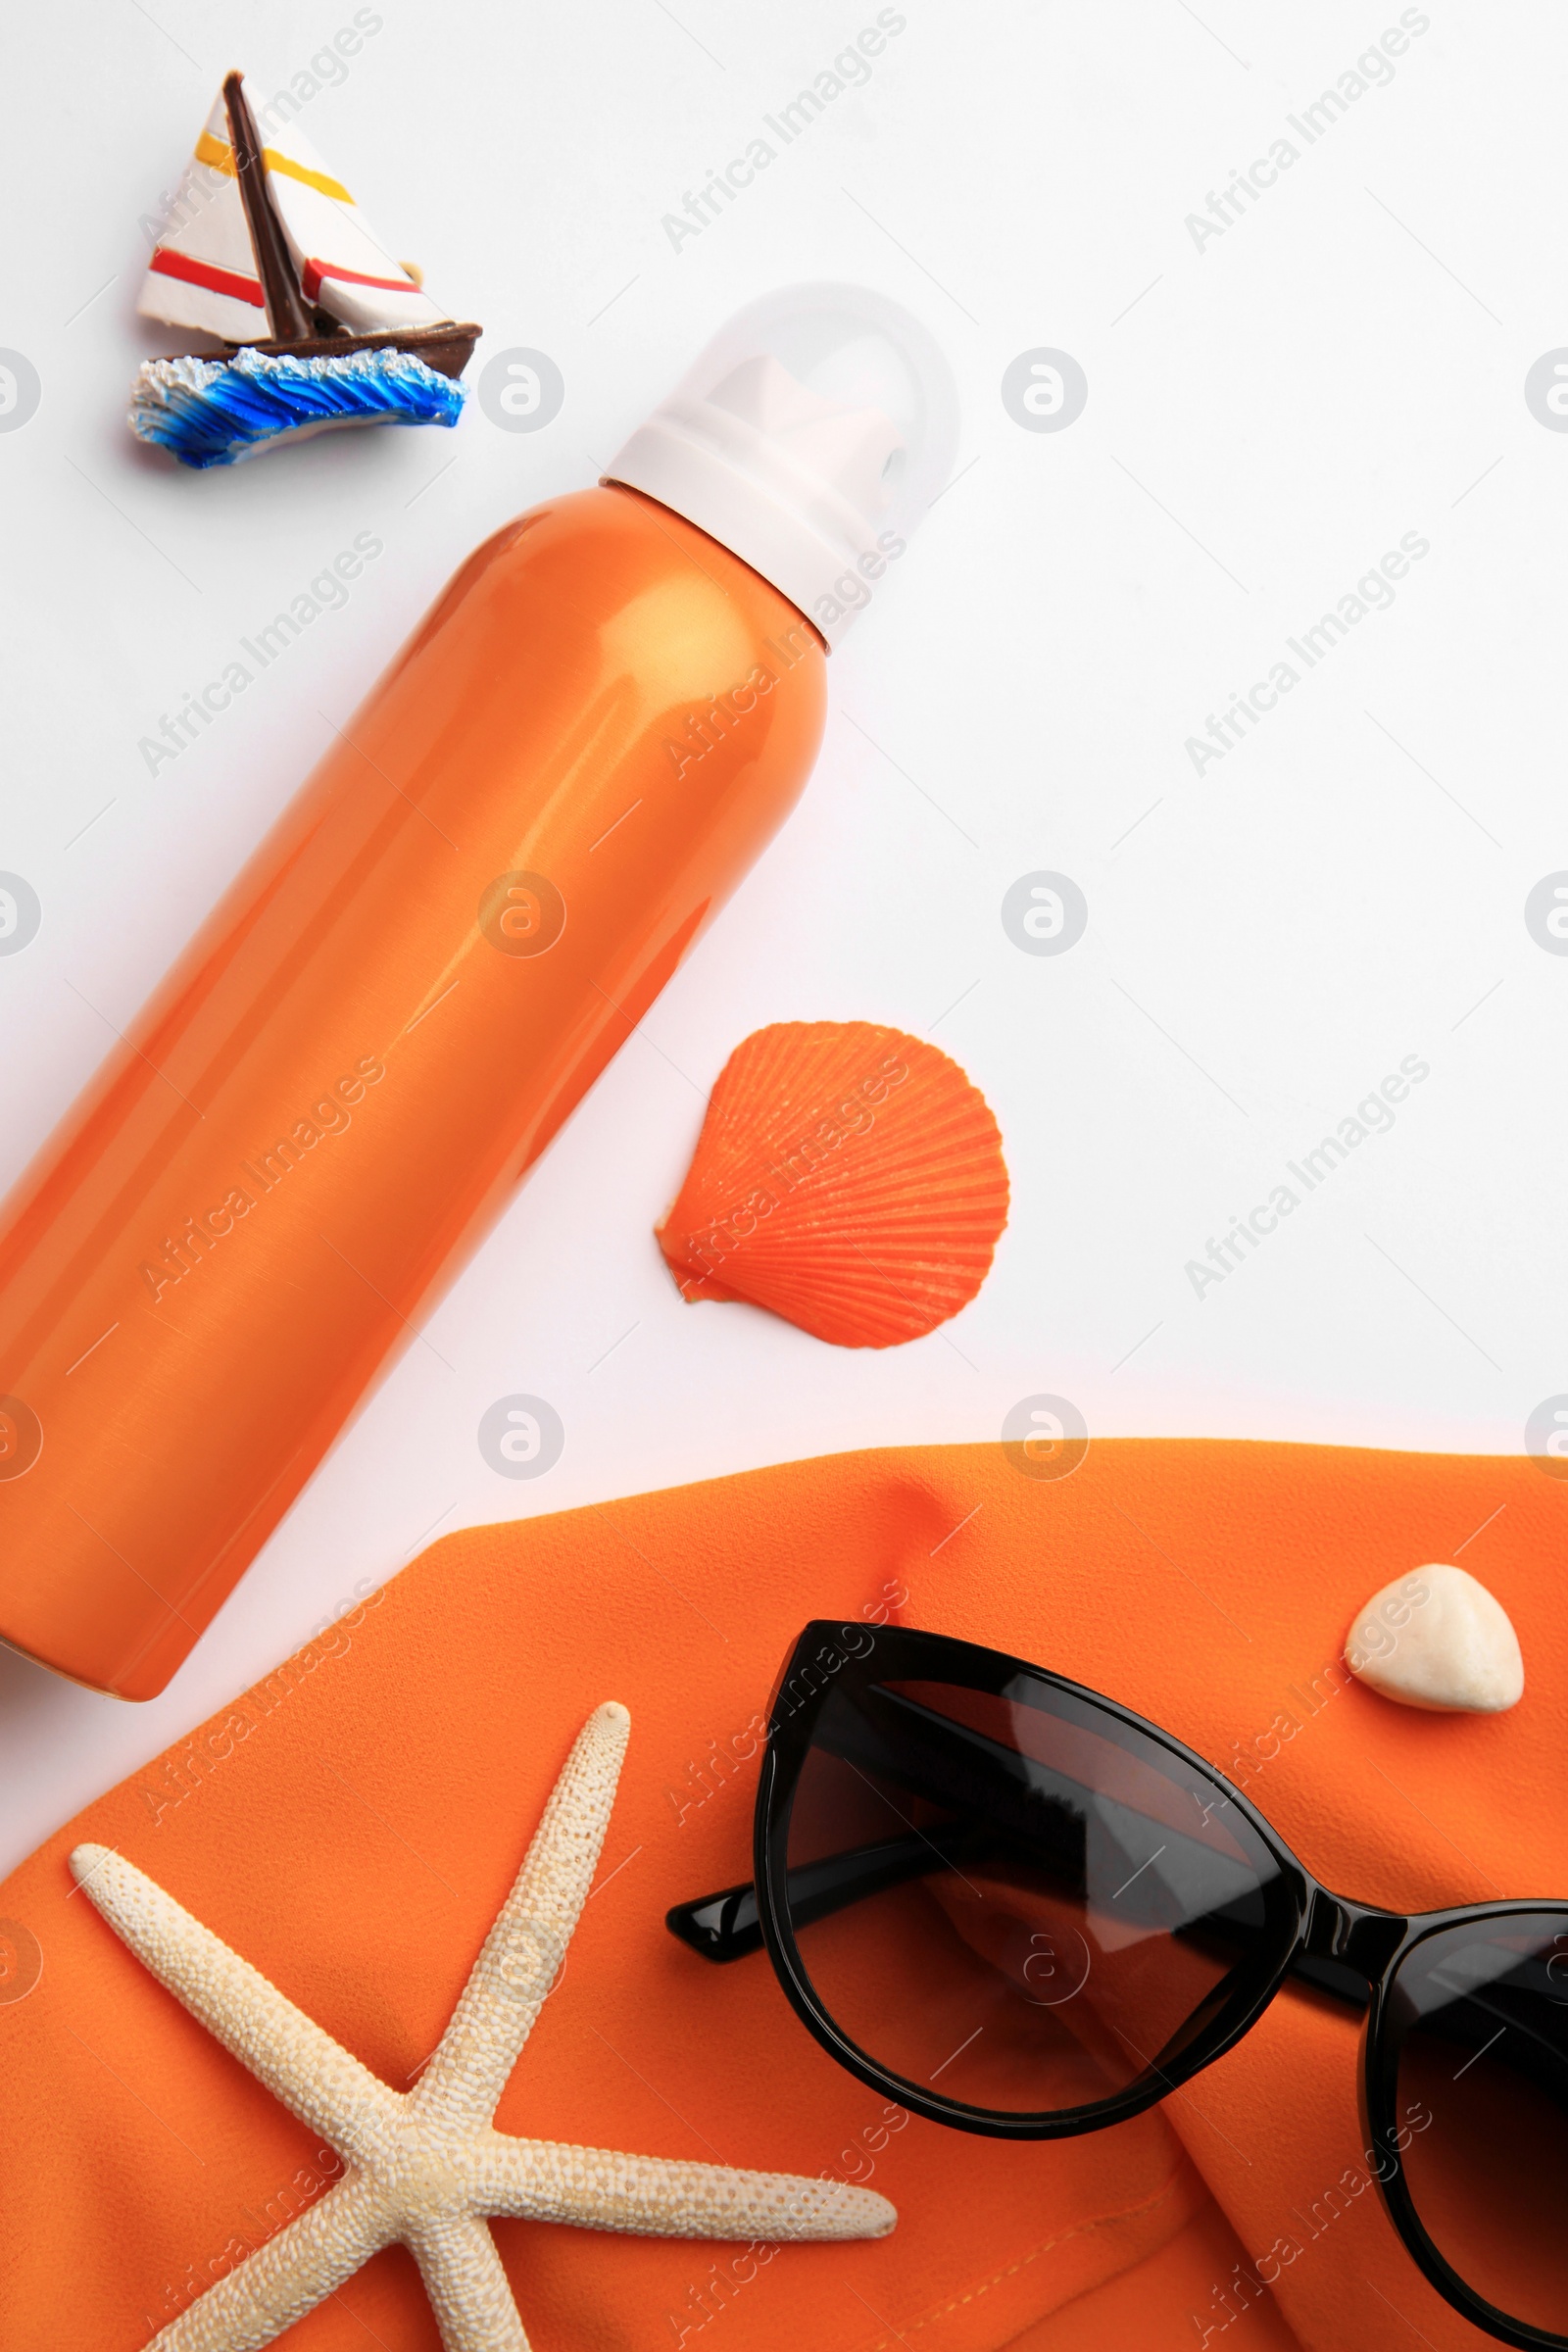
pixel 340 265
pixel 203 272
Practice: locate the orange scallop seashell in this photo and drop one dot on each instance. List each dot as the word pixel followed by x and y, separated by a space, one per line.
pixel 848 1177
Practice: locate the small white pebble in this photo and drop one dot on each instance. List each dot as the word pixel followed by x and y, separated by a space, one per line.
pixel 1438 1639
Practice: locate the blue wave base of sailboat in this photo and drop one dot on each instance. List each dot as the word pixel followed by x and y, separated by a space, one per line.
pixel 217 412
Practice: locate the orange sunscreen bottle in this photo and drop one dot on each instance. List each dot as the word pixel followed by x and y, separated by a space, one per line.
pixel 564 775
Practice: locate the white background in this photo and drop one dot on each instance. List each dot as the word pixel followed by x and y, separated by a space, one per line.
pixel 1266 415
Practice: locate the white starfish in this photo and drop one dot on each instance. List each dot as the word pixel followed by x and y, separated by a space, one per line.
pixel 425 2167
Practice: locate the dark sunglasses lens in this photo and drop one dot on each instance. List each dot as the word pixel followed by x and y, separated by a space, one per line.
pixel 1016 1901
pixel 1479 2019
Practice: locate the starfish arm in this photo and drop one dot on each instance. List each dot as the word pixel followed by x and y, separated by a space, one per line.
pixel 467 2285
pixel 301 2064
pixel 522 1953
pixel 284 2279
pixel 653 2196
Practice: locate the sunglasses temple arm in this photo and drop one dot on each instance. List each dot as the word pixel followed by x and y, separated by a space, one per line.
pixel 725 1926
pixel 721 1927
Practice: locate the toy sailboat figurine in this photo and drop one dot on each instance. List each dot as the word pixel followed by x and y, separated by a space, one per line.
pixel 267 251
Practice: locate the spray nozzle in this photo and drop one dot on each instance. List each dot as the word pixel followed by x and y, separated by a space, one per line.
pixel 808 438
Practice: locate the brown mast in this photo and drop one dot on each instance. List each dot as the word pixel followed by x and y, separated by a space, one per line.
pixel 286 313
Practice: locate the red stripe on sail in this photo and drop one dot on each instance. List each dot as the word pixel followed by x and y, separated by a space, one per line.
pixel 314 271
pixel 203 273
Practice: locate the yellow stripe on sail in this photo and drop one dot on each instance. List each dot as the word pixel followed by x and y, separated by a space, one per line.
pixel 220 156
pixel 215 152
pixel 313 180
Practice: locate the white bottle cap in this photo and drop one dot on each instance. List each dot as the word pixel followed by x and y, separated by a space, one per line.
pixel 810 438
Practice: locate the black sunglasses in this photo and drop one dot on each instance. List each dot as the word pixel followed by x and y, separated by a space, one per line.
pixel 1017 1908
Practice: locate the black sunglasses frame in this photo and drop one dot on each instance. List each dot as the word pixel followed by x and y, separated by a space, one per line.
pixel 1345 1949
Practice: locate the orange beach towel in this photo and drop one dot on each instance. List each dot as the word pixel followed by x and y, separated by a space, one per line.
pixel 352 1825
